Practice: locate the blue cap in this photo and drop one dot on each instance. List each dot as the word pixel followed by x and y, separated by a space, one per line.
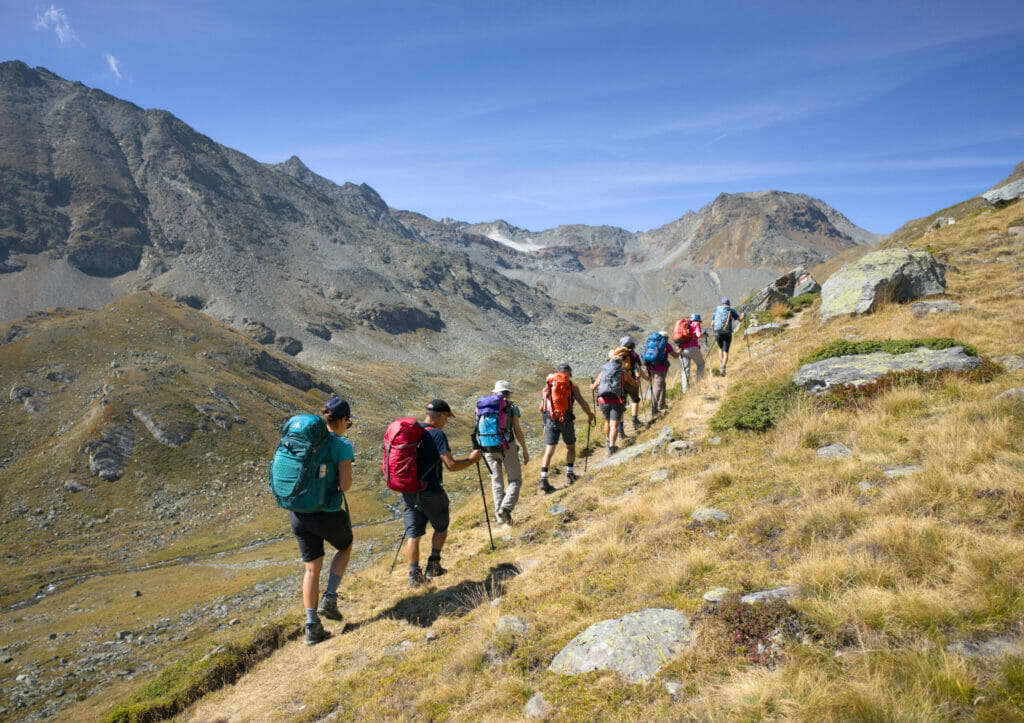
pixel 695 317
pixel 725 302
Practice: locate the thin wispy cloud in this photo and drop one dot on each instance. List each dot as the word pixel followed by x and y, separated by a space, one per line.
pixel 114 64
pixel 56 20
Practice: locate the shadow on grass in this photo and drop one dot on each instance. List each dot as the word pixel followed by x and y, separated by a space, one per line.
pixel 425 607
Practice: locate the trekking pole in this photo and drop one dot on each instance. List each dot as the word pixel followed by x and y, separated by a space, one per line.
pixel 395 561
pixel 587 458
pixel 746 338
pixel 650 394
pixel 487 515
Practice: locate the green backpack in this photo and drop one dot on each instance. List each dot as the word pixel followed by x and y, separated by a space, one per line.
pixel 298 480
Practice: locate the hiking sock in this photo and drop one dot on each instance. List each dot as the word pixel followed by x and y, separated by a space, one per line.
pixel 414 567
pixel 543 475
pixel 311 617
pixel 568 470
pixel 332 584
pixel 435 555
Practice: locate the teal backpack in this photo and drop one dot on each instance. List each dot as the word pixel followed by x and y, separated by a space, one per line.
pixel 297 480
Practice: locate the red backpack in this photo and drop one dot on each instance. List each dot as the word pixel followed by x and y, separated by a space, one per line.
pixel 682 331
pixel 401 443
pixel 558 395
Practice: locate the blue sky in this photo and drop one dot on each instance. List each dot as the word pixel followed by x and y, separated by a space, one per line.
pixel 545 113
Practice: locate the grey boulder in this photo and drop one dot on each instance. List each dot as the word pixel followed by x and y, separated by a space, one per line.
pixel 635 646
pixel 920 308
pixel 887 275
pixel 861 369
pixel 1005 193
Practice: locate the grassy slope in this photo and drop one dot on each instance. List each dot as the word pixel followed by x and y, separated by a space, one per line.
pixel 890 574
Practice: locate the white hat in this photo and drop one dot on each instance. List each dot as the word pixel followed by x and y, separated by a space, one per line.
pixel 501 386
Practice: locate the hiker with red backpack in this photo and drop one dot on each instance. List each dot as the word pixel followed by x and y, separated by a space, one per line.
pixel 632 373
pixel 497 431
pixel 309 475
pixel 414 453
pixel 688 334
pixel 559 421
pixel 657 350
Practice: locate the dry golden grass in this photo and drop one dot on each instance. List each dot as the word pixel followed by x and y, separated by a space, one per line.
pixel 890 571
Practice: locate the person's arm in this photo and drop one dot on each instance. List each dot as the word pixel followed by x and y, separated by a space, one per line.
pixel 454 465
pixel 520 437
pixel 596 383
pixel 345 475
pixel 671 349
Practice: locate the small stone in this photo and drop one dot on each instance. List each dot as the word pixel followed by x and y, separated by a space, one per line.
pixel 73 486
pixel 659 476
pixel 53 636
pixel 124 634
pixel 681 446
pixel 233 621
pixel 709 514
pixel 715 440
pixel 716 594
pixel 865 486
pixel 1013 394
pixel 431 636
pixel 1010 362
pixel 537 706
pixel 8 659
pixel 23 678
pixel 834 451
pixel 674 688
pixel 137 593
pixel 557 510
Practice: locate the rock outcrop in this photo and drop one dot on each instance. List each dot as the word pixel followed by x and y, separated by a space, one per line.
pixel 861 369
pixel 793 283
pixel 888 275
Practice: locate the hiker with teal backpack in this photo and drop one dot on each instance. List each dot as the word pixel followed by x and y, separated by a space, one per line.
pixel 497 431
pixel 722 322
pixel 309 475
pixel 657 350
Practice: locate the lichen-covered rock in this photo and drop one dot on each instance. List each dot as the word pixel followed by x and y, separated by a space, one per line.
pixel 787 593
pixel 888 275
pixel 110 453
pixel 793 283
pixel 834 451
pixel 861 369
pixel 635 646
pixel 1005 193
pixel 920 308
pixel 709 514
pixel 992 648
pixel 169 433
pixel 1010 362
pixel 655 446
pixel 537 706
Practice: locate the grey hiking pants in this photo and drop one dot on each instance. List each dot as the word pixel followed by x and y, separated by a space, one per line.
pixel 658 390
pixel 687 355
pixel 500 464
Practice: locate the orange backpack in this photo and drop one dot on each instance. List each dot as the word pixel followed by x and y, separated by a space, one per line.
pixel 682 331
pixel 558 395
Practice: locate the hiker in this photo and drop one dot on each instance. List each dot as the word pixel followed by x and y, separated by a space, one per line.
pixel 722 322
pixel 431 504
pixel 657 350
pixel 330 523
pixel 556 407
pixel 502 454
pixel 688 334
pixel 611 399
pixel 632 373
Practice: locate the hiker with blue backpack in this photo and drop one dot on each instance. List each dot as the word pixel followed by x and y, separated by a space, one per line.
pixel 309 475
pixel 722 322
pixel 415 457
pixel 497 431
pixel 657 350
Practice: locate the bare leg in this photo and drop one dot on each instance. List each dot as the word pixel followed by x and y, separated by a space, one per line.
pixel 311 582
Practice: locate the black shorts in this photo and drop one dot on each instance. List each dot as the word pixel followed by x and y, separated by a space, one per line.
pixel 614 411
pixel 724 340
pixel 312 528
pixel 422 508
pixel 553 429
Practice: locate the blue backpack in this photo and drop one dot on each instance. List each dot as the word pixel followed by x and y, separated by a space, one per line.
pixel 492 423
pixel 722 320
pixel 655 349
pixel 298 479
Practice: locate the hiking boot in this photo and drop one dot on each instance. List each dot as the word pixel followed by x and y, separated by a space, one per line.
pixel 612 449
pixel 328 607
pixel 636 423
pixel 434 569
pixel 505 516
pixel 315 633
pixel 417 578
pixel 571 477
pixel 545 487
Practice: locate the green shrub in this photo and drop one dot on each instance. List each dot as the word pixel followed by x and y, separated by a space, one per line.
pixel 803 300
pixel 844 347
pixel 754 408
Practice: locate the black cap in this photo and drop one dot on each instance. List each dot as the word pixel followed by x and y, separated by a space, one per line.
pixel 440 406
pixel 564 367
pixel 338 408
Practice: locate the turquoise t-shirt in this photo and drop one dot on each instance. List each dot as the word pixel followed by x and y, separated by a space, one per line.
pixel 337 450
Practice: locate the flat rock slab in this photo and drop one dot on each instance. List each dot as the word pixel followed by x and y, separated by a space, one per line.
pixel 787 593
pixel 624 455
pixel 659 475
pixel 716 594
pixel 1006 193
pixel 537 707
pixel 835 451
pixel 894 472
pixel 635 646
pixel 860 369
pixel 709 514
pixel 1013 394
pixel 992 648
pixel 557 510
pixel 887 275
pixel 1010 362
pixel 935 307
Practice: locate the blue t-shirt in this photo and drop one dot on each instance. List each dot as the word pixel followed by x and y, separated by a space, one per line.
pixel 338 449
pixel 428 458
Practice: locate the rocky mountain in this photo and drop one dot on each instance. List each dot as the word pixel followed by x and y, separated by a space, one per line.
pixel 103 198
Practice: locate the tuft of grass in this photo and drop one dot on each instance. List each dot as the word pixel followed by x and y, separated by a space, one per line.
pixel 844 347
pixel 755 408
